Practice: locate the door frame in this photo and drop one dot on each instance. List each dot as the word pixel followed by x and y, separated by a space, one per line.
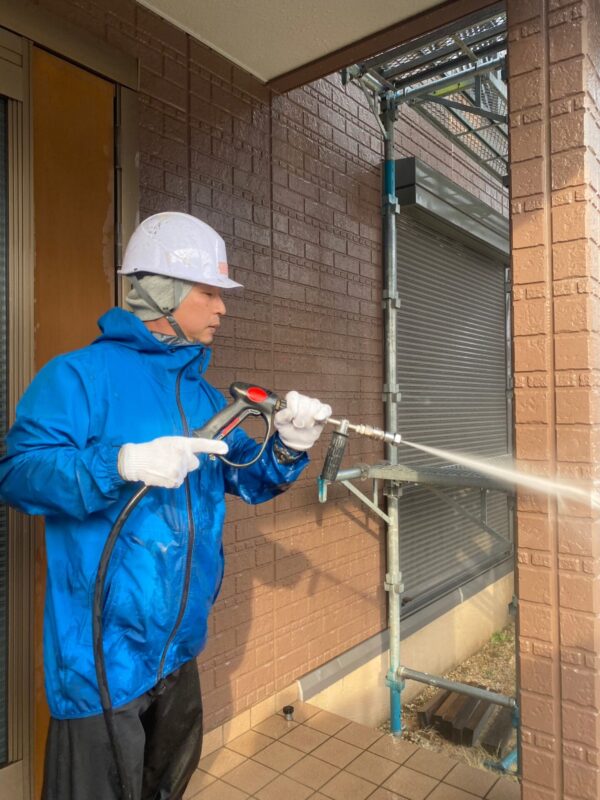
pixel 16 778
pixel 69 41
pixel 31 25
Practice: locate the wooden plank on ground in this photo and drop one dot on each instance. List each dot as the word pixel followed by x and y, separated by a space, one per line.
pixel 438 718
pixel 447 726
pixel 425 713
pixel 475 724
pixel 461 718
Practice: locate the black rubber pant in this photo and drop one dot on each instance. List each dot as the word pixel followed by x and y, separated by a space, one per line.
pixel 160 734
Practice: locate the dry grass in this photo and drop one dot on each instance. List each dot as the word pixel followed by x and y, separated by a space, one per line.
pixel 494 666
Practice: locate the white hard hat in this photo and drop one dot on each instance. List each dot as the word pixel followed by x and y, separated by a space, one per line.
pixel 179 246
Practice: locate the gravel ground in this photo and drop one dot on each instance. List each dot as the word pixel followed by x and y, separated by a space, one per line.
pixel 493 666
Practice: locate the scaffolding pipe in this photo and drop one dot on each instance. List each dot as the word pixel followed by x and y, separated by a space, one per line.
pixel 405 673
pixel 393 578
pixel 389 100
pixel 352 473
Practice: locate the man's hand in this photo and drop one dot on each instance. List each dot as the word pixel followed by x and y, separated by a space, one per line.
pixel 300 424
pixel 165 461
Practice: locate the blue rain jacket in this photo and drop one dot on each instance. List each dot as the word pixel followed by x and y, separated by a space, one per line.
pixel 167 566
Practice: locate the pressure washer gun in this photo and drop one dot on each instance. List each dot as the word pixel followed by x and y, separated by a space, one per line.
pixel 250 400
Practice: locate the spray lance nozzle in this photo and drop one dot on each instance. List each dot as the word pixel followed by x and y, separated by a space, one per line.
pixel 339 440
pixel 369 431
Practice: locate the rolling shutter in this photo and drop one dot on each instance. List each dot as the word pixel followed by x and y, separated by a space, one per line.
pixel 452 376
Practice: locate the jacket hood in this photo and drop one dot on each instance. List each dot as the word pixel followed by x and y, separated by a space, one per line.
pixel 124 328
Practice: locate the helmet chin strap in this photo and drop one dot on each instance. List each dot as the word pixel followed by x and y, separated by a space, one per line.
pixel 166 314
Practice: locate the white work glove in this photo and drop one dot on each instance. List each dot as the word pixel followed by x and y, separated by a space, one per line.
pixel 300 424
pixel 164 461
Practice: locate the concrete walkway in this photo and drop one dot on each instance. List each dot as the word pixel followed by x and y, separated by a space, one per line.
pixel 325 757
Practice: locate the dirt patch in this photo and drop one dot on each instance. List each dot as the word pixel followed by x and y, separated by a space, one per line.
pixel 494 666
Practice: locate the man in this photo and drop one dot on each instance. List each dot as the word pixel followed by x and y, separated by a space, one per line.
pixel 93 423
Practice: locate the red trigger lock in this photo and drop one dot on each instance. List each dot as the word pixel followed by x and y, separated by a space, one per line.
pixel 256 394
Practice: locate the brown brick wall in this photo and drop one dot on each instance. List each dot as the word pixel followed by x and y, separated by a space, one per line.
pixel 292 183
pixel 554 83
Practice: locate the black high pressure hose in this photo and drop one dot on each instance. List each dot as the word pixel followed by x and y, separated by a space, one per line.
pixel 98 639
pixel 249 401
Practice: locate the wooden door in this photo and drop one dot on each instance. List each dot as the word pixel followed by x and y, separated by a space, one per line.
pixel 74 178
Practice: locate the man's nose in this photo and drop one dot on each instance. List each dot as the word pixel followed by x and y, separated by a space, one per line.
pixel 221 308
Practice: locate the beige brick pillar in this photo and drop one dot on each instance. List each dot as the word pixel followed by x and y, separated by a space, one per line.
pixel 554 60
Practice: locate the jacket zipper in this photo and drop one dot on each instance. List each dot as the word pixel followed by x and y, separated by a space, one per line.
pixel 191 538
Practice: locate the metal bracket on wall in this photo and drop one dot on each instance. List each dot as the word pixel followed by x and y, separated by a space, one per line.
pixel 396 476
pixel 394 489
pixel 364 499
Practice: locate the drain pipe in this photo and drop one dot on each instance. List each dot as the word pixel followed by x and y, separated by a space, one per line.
pixel 393 578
